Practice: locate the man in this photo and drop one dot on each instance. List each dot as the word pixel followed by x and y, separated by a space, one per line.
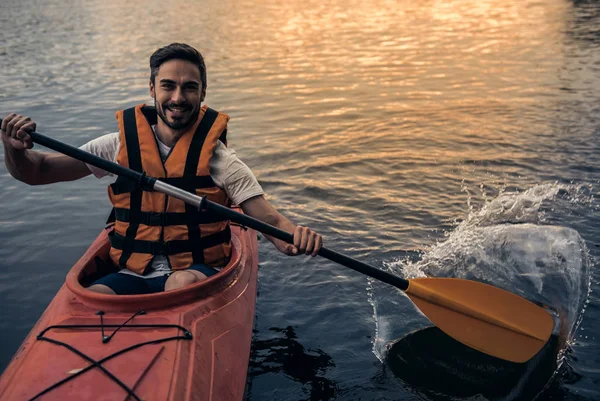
pixel 159 242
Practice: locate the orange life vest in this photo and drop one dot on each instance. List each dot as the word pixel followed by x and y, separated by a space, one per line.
pixel 151 223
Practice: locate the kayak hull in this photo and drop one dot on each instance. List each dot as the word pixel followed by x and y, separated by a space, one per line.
pixel 188 344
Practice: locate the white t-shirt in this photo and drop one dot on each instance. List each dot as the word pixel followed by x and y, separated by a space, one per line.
pixel 227 171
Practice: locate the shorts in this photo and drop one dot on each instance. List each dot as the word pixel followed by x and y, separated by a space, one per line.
pixel 126 284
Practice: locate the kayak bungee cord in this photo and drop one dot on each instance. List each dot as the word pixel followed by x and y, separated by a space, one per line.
pixel 187 335
pixel 105 338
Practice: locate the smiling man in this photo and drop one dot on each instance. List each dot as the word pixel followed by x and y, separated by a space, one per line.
pixel 159 242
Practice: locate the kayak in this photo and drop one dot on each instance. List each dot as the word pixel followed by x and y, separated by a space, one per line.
pixel 191 343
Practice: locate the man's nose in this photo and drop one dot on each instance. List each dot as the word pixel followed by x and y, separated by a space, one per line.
pixel 177 96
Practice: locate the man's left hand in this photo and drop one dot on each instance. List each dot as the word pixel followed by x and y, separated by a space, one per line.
pixel 306 241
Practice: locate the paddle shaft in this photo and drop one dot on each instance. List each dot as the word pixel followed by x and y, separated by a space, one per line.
pixel 151 183
pixel 481 316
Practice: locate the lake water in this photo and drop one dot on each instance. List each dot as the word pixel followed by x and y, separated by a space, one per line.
pixel 450 138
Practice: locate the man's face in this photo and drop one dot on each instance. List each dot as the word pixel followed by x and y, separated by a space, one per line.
pixel 177 93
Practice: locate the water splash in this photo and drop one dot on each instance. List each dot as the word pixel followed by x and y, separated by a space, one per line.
pixel 514 241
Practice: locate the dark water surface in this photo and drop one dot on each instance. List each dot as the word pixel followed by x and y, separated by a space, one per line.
pixel 454 138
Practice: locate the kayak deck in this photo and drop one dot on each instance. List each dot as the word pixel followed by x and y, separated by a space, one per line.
pixel 187 344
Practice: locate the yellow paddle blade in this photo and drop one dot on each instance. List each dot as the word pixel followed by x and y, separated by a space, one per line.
pixel 484 317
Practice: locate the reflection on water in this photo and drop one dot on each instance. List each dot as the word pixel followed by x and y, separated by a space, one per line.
pixel 442 367
pixel 285 354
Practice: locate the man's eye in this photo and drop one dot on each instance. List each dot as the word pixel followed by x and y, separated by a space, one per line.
pixel 167 86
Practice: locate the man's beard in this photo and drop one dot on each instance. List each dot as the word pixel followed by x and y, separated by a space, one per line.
pixel 178 124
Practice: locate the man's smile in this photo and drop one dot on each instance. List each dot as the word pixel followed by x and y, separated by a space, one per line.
pixel 178 111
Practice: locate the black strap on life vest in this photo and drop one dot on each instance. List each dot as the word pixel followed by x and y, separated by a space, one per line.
pixel 111 218
pixel 168 218
pixel 189 182
pixel 135 198
pixel 118 241
pixel 223 137
pixel 189 171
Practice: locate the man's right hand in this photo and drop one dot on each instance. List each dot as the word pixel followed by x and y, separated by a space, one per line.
pixel 31 167
pixel 15 131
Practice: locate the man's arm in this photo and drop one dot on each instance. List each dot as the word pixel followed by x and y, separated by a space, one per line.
pixel 305 240
pixel 31 167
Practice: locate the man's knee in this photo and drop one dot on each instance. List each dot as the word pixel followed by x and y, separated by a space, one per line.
pixel 182 278
pixel 102 289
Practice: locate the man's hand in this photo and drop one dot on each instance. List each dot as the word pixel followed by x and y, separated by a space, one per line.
pixel 306 241
pixel 29 166
pixel 15 131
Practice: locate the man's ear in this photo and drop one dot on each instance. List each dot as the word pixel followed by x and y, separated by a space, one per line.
pixel 203 95
pixel 152 92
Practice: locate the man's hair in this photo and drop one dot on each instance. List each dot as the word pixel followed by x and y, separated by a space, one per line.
pixel 177 51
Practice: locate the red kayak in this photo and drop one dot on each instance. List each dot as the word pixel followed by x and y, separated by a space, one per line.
pixel 187 344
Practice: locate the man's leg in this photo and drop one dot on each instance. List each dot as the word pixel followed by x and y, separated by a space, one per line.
pixel 121 284
pixel 193 274
pixel 182 278
pixel 102 289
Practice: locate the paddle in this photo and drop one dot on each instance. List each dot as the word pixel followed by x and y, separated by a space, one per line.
pixel 486 318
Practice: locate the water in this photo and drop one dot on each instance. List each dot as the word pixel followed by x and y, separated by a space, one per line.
pixel 455 138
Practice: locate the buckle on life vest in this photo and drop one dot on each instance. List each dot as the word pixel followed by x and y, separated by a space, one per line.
pixel 155 219
pixel 160 248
